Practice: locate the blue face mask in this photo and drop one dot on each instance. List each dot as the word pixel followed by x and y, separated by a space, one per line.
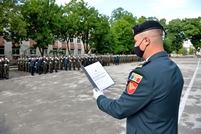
pixel 138 51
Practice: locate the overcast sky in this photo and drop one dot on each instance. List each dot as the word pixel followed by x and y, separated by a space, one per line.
pixel 169 9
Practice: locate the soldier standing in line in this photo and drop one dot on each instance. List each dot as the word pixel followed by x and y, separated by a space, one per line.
pixel 89 59
pixel 40 65
pixel 118 59
pixel 86 61
pixel 53 59
pixel 51 64
pixel 61 63
pixel 48 61
pixel 21 64
pixel 56 64
pixel 6 68
pixel 100 59
pixel 74 62
pixel 26 62
pixel 32 65
pixel 92 59
pixel 18 64
pixel 28 65
pixel 66 63
pixel 70 62
pixel 108 60
pixel 82 60
pixel 44 65
pixel 77 62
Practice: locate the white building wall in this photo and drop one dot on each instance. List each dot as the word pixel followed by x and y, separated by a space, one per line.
pixel 25 49
pixel 8 49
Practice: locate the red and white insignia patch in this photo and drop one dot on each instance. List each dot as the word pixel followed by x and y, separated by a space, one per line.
pixel 132 86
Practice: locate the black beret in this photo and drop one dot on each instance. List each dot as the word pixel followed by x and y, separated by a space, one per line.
pixel 147 25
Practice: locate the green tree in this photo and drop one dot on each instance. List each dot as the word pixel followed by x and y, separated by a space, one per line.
pixel 183 51
pixel 118 13
pixel 175 33
pixel 87 21
pixel 70 22
pixel 12 26
pixel 122 32
pixel 167 44
pixel 192 31
pixel 141 20
pixel 102 39
pixel 191 49
pixel 40 17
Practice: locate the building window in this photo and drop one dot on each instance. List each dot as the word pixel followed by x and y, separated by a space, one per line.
pixel 64 51
pixel 72 51
pixel 45 51
pixel 55 51
pixel 78 40
pixel 1 50
pixel 33 51
pixel 15 50
pixel 71 39
pixel 79 52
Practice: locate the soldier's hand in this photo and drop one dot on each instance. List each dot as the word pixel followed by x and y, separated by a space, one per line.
pixel 97 93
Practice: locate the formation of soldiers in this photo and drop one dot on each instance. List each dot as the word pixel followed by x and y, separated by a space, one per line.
pixel 4 68
pixel 46 64
pixel 53 64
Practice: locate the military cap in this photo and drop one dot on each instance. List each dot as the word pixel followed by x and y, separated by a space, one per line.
pixel 147 25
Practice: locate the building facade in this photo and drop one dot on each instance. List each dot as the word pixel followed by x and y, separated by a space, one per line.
pixel 26 49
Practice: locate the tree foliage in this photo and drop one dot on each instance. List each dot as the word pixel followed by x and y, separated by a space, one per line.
pixel 41 18
pixel 45 22
pixel 192 31
pixel 12 26
pixel 175 33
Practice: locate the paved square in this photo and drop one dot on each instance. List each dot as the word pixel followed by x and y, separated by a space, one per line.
pixel 62 102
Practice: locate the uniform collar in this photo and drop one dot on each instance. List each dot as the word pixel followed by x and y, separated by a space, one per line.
pixel 157 55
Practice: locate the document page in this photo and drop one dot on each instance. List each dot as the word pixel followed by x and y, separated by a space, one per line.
pixel 99 76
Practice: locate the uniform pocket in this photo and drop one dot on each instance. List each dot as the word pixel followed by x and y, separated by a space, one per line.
pixel 130 129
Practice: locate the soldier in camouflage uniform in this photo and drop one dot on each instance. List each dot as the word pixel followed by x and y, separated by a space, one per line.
pixel 77 62
pixel 86 60
pixel 61 63
pixel 51 64
pixel 26 62
pixel 45 65
pixel 74 62
pixel 56 63
pixel 28 65
pixel 6 68
pixel 70 62
pixel 82 60
pixel 18 64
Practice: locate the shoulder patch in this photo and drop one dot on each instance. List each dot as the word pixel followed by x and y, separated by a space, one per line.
pixel 132 86
pixel 136 77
